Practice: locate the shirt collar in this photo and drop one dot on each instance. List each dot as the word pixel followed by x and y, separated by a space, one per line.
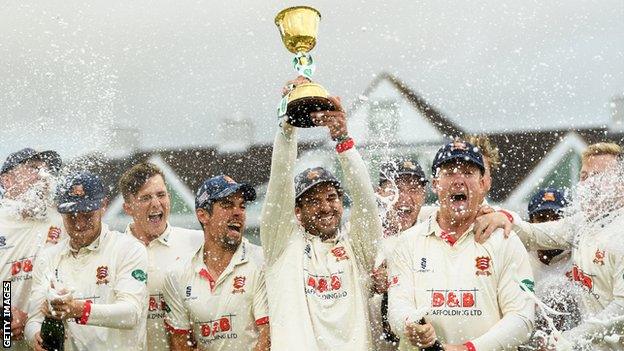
pixel 93 247
pixel 241 255
pixel 163 238
pixel 433 228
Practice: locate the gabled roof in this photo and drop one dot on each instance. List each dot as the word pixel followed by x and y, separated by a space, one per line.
pixel 434 116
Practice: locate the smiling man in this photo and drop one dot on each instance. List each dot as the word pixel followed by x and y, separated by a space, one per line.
pixel 28 222
pixel 470 294
pixel 104 271
pixel 317 270
pixel 147 201
pixel 217 298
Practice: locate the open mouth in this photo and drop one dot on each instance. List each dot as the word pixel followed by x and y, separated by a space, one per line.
pixel 326 219
pixel 459 201
pixel 235 227
pixel 155 217
pixel 459 197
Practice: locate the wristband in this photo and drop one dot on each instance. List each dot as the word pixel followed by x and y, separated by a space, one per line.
pixel 345 145
pixel 470 346
pixel 86 311
pixel 342 138
pixel 509 216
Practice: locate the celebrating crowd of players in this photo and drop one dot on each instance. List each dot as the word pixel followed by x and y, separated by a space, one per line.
pixel 395 275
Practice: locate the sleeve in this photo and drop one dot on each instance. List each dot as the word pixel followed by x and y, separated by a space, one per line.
pixel 260 304
pixel 402 305
pixel 544 236
pixel 609 320
pixel 130 292
pixel 516 305
pixel 277 220
pixel 40 285
pixel 365 224
pixel 177 319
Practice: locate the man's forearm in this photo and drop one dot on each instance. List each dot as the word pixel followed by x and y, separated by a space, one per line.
pixel 507 334
pixel 119 315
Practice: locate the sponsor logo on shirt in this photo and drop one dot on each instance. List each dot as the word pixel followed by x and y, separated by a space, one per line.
pixel 584 279
pixel 139 275
pixel 156 304
pixel 218 329
pixel 599 257
pixel 101 274
pixel 307 251
pixel 23 265
pixel 483 265
pixel 424 266
pixel 527 284
pixel 54 234
pixel 3 243
pixel 325 286
pixel 340 253
pixel 455 302
pixel 188 290
pixel 239 283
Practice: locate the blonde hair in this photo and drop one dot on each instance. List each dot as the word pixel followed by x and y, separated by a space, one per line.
pixel 489 150
pixel 599 149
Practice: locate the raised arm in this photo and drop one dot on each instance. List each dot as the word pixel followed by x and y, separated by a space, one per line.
pixel 278 212
pixel 545 236
pixel 365 224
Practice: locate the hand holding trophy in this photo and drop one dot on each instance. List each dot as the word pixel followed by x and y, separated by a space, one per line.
pixel 298 28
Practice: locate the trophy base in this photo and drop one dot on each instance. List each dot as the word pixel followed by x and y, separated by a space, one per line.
pixel 298 111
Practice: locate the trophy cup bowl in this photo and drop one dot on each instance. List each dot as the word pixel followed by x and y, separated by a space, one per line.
pixel 298 27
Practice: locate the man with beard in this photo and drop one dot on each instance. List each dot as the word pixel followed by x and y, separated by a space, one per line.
pixel 597 262
pixel 318 273
pixel 472 294
pixel 217 298
pixel 27 223
pixel 147 201
pixel 98 273
pixel 402 192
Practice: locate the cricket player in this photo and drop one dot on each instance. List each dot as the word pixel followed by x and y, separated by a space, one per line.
pixel 470 294
pixel 317 271
pixel 28 222
pixel 597 266
pixel 402 192
pixel 102 270
pixel 491 161
pixel 147 201
pixel 217 298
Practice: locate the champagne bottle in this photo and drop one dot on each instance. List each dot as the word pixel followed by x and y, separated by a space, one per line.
pixel 53 334
pixel 437 346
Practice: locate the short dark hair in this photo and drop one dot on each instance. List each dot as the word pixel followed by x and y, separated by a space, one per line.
pixel 134 178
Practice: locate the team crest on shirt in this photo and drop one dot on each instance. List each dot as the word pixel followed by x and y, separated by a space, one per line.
pixel 599 257
pixel 54 234
pixel 239 284
pixel 340 253
pixel 101 273
pixel 2 241
pixel 483 265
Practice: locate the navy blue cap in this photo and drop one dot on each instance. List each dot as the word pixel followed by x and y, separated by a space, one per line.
pixel 220 187
pixel 547 199
pixel 458 151
pixel 312 177
pixel 51 158
pixel 393 169
pixel 81 192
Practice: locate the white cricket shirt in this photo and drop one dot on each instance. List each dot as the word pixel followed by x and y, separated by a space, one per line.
pixel 223 313
pixel 173 245
pixel 111 273
pixel 318 290
pixel 471 291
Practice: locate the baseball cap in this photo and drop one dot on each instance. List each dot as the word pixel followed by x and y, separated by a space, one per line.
pixel 81 192
pixel 393 169
pixel 50 157
pixel 547 199
pixel 312 177
pixel 458 150
pixel 218 187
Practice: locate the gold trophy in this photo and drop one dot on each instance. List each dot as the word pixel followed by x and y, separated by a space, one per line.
pixel 298 27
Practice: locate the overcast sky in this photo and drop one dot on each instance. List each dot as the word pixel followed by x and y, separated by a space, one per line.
pixel 71 70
